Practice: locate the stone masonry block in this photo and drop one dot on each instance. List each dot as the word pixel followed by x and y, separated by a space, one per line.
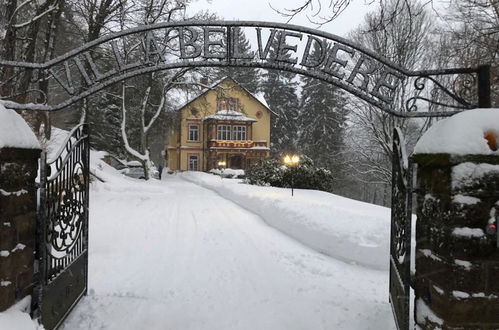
pixel 15 176
pixel 6 267
pixel 23 258
pixel 17 204
pixel 25 226
pixel 24 283
pixel 7 236
pixel 7 295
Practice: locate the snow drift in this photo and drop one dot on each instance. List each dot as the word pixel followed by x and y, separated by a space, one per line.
pixel 15 132
pixel 469 132
pixel 340 227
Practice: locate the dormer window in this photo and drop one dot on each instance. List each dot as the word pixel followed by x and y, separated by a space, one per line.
pixel 227 103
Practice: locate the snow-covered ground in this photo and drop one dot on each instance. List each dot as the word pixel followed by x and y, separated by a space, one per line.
pixel 17 317
pixel 173 255
pixel 340 227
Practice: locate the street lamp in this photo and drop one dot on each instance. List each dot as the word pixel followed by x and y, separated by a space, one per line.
pixel 291 160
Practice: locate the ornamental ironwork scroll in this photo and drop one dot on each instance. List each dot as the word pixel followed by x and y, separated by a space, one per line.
pixel 119 56
pixel 63 228
pixel 400 238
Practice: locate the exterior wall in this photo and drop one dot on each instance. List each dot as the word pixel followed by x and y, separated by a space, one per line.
pixel 457 260
pixel 206 105
pixel 18 170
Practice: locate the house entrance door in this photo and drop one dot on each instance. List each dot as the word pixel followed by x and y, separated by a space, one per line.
pixel 236 161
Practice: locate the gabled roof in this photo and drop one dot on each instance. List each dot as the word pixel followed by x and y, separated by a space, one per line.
pixel 257 96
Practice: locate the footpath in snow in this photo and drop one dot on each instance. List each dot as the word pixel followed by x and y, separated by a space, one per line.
pixel 174 255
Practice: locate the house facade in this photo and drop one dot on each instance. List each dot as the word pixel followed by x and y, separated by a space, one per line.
pixel 226 126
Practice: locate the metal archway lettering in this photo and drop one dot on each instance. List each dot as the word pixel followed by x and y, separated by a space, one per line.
pixel 80 73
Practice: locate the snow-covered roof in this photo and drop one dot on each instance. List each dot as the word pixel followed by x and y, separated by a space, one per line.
pixel 229 115
pixel 260 97
pixel 15 132
pixel 471 132
pixel 134 163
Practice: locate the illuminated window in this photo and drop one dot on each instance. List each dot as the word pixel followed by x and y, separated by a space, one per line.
pixel 228 103
pixel 193 132
pixel 239 133
pixel 223 132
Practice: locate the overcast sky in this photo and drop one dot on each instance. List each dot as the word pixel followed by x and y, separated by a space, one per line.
pixel 260 10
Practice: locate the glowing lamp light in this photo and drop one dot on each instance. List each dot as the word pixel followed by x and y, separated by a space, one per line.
pixel 291 160
pixel 222 163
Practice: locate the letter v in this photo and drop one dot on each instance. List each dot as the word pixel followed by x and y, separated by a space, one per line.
pixel 263 54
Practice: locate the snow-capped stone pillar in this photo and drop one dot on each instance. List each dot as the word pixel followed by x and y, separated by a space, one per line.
pixel 19 155
pixel 457 253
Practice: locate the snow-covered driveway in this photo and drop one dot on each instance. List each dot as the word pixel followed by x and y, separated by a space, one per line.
pixel 174 255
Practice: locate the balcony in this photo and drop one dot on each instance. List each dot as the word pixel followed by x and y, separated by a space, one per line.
pixel 231 144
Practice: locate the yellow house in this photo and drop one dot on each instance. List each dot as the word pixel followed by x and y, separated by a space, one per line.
pixel 226 126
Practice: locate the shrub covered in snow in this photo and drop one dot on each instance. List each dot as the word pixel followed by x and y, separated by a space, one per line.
pixel 303 176
pixel 265 173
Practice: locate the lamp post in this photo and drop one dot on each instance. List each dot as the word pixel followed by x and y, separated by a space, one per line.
pixel 292 161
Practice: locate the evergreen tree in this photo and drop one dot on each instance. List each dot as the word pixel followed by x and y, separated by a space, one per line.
pixel 280 89
pixel 249 78
pixel 322 122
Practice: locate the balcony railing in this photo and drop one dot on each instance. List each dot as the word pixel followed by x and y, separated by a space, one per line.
pixel 236 144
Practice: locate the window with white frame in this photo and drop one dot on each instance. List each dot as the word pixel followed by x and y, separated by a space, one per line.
pixel 223 132
pixel 193 132
pixel 238 133
pixel 193 162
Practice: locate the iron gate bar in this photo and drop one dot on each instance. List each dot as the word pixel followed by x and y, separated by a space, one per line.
pixel 62 247
pixel 374 97
pixel 400 236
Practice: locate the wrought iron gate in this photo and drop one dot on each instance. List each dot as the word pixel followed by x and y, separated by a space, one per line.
pixel 63 228
pixel 400 238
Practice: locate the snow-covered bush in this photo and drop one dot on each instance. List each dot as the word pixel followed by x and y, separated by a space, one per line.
pixel 265 173
pixel 303 176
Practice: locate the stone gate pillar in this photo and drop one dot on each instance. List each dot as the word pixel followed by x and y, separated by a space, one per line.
pixel 19 156
pixel 457 254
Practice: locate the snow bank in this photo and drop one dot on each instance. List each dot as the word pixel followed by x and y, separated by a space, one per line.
pixel 15 132
pixel 343 228
pixel 227 172
pixel 469 132
pixel 17 317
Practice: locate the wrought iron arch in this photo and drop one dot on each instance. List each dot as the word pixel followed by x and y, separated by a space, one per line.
pixel 341 62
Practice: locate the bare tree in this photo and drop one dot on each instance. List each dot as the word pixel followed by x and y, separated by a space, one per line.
pixel 321 12
pixel 142 153
pixel 471 37
pixel 404 41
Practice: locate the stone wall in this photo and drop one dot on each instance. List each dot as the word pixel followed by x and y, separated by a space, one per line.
pixel 457 261
pixel 18 170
